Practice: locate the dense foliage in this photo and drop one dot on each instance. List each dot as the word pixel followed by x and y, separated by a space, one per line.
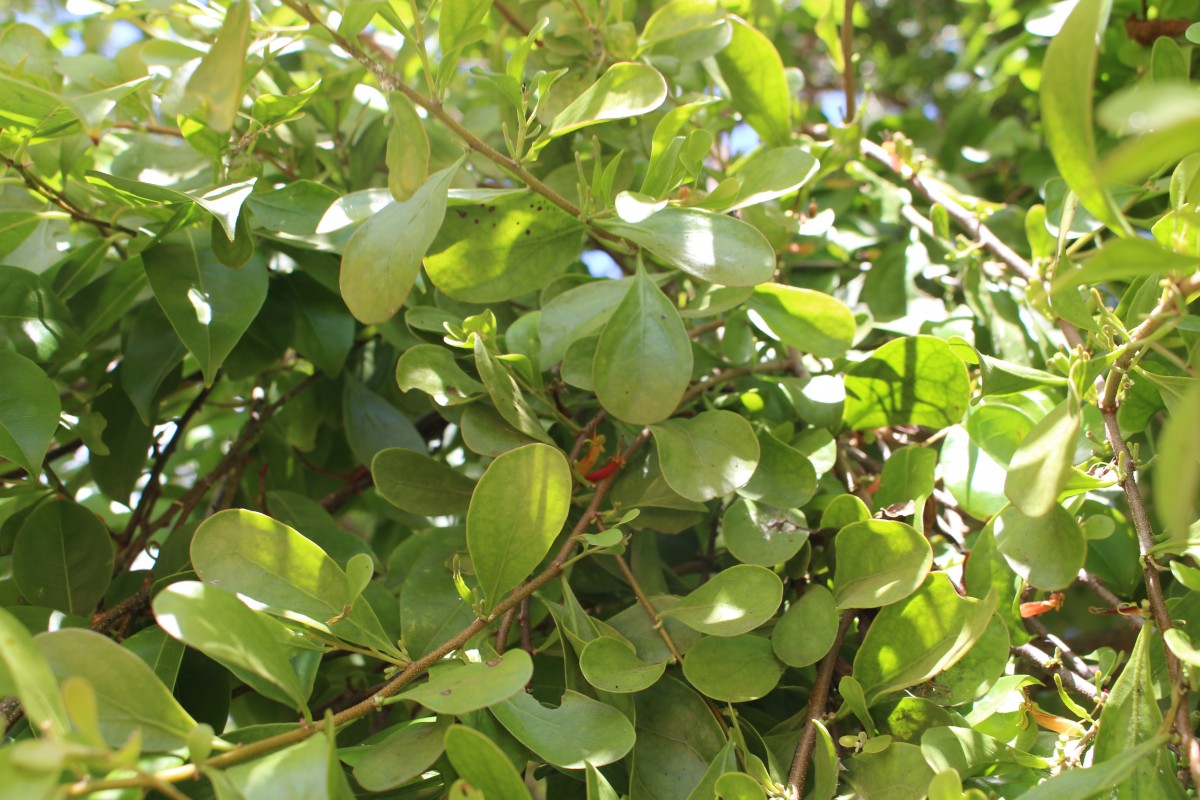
pixel 599 398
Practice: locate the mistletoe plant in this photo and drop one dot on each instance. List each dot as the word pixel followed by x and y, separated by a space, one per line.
pixel 599 399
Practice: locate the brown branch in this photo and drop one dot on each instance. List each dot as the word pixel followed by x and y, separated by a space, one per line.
pixel 510 17
pixel 700 387
pixel 60 199
pixel 816 708
pixel 53 455
pixel 130 605
pixel 1104 593
pixel 1050 666
pixel 651 611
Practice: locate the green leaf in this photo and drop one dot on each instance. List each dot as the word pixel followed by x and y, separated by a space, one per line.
pixel 708 455
pixel 677 739
pixel 706 245
pixel 407 147
pixel 812 322
pixel 898 773
pixel 484 765
pixel 324 332
pixel 63 557
pixel 459 688
pixel 1046 551
pixel 217 82
pixel 405 754
pixel 762 535
pixel 580 731
pixel 625 90
pixel 643 360
pixel 1069 71
pixel 1041 465
pixel 459 23
pixel 598 787
pixel 1099 779
pixel 739 786
pixel 576 314
pixel 916 638
pixel 433 370
pixel 152 354
pixel 130 697
pixel 979 669
pixel 420 485
pixel 516 512
pixel 970 752
pixel 878 563
pixel 916 380
pixel 507 394
pixel 1177 474
pixel 431 610
pixel 309 769
pixel 382 258
pixel 907 475
pixel 248 643
pixel 612 665
pixel 733 669
pixel 734 601
pixel 372 424
pixel 770 174
pixel 784 477
pixel 1129 717
pixel 310 518
pixel 128 438
pixel 758 87
pixel 29 409
pixel 824 764
pixel 209 305
pixel 507 245
pixel 1124 260
pixel 294 209
pixel 265 560
pixel 806 631
pixel 34 321
pixel 160 652
pixel 31 678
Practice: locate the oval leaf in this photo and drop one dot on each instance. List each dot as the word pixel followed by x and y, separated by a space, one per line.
pixel 708 246
pixel 460 688
pixel 613 666
pixel 625 90
pixel 29 409
pixel 419 484
pixel 643 360
pixel 581 731
pixel 1041 465
pixel 762 535
pixel 63 557
pixel 806 631
pixel 733 669
pixel 810 321
pixel 734 601
pixel 879 562
pixel 31 678
pixel 916 380
pixel 1046 551
pixel 483 764
pixel 707 456
pixel 516 512
pixel 403 755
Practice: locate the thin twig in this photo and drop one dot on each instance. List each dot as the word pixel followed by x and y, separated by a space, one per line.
pixel 1050 666
pixel 510 17
pixel 502 632
pixel 651 611
pixel 817 702
pixel 1104 593
pixel 60 199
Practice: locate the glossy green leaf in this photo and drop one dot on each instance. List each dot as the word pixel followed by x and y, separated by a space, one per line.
pixel 878 563
pixel 487 433
pixel 29 409
pixel 762 535
pixel 248 643
pixel 516 512
pixel 209 304
pixel 217 83
pixel 382 258
pixel 784 477
pixel 324 331
pixel 152 354
pixel 708 455
pixel 433 370
pixel 898 772
pixel 757 83
pixel 311 519
pixel 577 313
pixel 477 759
pixel 1041 465
pixel 1177 474
pixel 265 560
pixel 34 321
pixel 907 475
pixel 129 696
pixel 128 438
pixel 31 677
pixel 677 739
pixel 770 174
pixel 734 601
pixel 580 731
pixel 307 769
pixel 916 380
pixel 431 610
pixel 612 665
pixel 739 786
pixel 1124 260
pixel 63 557
pixel 459 23
pixel 373 424
pixel 1046 551
pixel 969 752
pixel 1099 779
pixel 979 669
pixel 914 639
pixel 598 787
pixel 625 90
pixel 407 148
pixel 1066 104
pixel 806 631
pixel 810 321
pixel 294 209
pixel 709 246
pixel 504 246
pixel 420 485
pixel 456 689
pixel 644 358
pixel 733 669
pixel 161 653
pixel 403 755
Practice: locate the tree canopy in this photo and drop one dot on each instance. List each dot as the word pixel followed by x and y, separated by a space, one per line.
pixel 661 399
